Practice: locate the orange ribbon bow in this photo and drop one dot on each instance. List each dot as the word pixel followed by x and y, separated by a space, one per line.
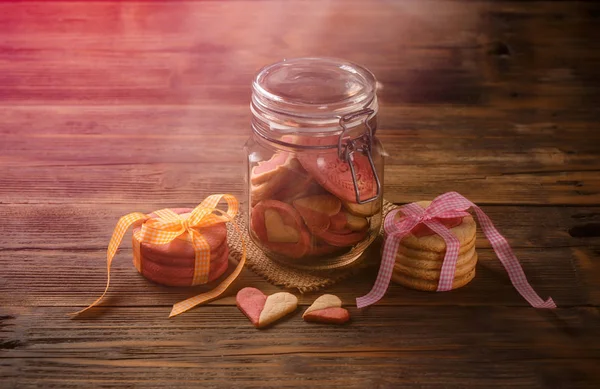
pixel 167 227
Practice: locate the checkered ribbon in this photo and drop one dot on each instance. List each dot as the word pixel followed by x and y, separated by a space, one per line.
pixel 446 206
pixel 167 227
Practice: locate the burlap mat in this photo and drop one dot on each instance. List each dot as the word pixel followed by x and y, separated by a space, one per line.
pixel 302 279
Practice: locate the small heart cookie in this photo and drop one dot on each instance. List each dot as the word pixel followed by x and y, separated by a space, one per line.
pixel 327 309
pixel 263 310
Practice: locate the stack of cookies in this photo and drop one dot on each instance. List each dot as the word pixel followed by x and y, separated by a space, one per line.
pixel 173 264
pixel 303 209
pixel 421 254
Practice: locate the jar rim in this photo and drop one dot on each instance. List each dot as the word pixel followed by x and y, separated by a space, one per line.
pixel 313 89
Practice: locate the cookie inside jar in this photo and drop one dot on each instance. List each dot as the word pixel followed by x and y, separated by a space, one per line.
pixel 315 166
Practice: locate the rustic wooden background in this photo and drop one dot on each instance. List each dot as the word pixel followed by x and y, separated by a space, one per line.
pixel 109 107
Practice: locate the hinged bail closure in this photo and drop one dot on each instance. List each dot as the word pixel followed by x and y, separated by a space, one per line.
pixel 362 144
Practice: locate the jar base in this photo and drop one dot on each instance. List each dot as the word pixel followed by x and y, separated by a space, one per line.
pixel 351 257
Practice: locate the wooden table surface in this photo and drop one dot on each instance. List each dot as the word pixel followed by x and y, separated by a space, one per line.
pixel 109 107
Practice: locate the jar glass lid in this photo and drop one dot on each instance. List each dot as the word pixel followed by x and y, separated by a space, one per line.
pixel 313 88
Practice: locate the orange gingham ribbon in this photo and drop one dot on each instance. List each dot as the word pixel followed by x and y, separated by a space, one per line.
pixel 167 227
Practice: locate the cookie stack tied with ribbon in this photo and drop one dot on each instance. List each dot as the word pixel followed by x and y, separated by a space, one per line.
pixel 174 263
pixel 420 254
pixel 408 242
pixel 180 247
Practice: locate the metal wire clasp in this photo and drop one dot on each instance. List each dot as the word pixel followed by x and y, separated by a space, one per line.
pixel 362 144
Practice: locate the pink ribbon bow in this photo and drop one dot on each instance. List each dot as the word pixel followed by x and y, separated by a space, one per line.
pixel 446 206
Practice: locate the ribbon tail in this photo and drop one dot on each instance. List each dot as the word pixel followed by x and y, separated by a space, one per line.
pixel 122 226
pixel 190 303
pixel 395 232
pixel 382 282
pixel 511 263
pixel 73 314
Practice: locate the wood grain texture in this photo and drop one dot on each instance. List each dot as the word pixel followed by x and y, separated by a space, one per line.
pixel 110 107
pixel 528 164
pixel 472 346
pixel 50 278
pixel 90 226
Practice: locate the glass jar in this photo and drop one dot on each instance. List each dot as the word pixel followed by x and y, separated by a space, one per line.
pixel 314 165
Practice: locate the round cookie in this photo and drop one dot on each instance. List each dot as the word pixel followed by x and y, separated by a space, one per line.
pixel 430 286
pixel 182 276
pixel 179 247
pixel 421 238
pixel 434 274
pixel 181 282
pixel 433 255
pixel 179 261
pixel 340 239
pixel 422 263
pixel 173 263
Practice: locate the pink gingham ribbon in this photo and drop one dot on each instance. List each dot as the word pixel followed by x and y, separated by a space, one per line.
pixel 446 206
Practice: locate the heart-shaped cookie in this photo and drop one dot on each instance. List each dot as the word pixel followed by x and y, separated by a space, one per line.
pixel 356 223
pixel 316 211
pixel 263 310
pixel 277 231
pixel 363 210
pixel 325 204
pixel 327 309
pixel 342 238
pixel 289 217
pixel 338 221
pixel 266 170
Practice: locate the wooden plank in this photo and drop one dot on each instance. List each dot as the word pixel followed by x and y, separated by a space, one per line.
pixel 197 60
pixel 59 157
pixel 188 183
pixel 447 56
pixel 429 120
pixel 555 168
pixel 216 346
pixel 89 226
pixel 65 168
pixel 41 135
pixel 76 278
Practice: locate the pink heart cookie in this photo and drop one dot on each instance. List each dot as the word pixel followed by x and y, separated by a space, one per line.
pixel 327 309
pixel 263 310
